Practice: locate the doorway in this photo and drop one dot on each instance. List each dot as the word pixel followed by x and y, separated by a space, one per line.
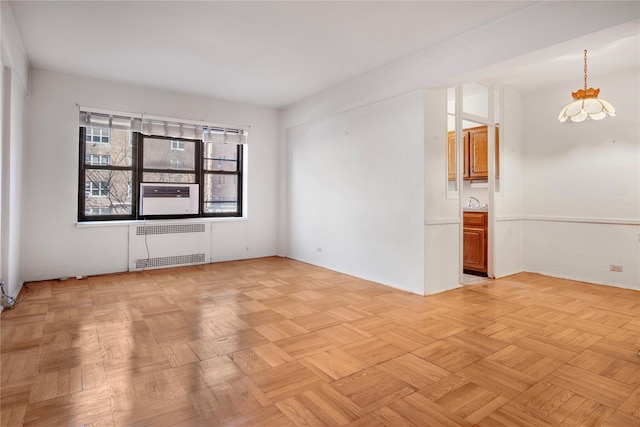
pixel 474 123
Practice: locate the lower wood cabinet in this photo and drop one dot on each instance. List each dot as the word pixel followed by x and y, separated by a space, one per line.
pixel 474 241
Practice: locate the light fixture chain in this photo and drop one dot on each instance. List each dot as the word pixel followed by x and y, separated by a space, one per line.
pixel 585 70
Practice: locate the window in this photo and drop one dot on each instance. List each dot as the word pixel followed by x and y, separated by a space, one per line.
pixel 98 159
pixel 110 175
pixel 177 145
pixel 98 211
pixel 105 172
pixel 96 189
pixel 99 135
pixel 222 172
pixel 162 162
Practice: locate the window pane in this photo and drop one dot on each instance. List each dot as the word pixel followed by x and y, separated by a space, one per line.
pixel 451 100
pixel 189 178
pixel 107 192
pixel 118 152
pixel 496 107
pixel 475 99
pixel 220 193
pixel 452 154
pixel 168 154
pixel 219 156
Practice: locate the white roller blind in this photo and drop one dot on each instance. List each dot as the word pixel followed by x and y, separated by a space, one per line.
pixel 163 126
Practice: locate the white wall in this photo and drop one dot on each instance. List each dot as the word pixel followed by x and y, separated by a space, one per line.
pixel 434 67
pixel 14 66
pixel 581 184
pixel 55 247
pixel 442 215
pixel 479 192
pixel 355 192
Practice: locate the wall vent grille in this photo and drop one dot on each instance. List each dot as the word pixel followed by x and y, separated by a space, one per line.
pixel 170 261
pixel 146 230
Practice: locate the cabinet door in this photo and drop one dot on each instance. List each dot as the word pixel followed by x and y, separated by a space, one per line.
pixel 478 145
pixel 451 156
pixel 465 142
pixel 474 252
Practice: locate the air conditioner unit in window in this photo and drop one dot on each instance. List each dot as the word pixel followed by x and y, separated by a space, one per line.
pixel 169 199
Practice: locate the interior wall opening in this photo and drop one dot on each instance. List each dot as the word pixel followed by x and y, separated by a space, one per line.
pixel 473 173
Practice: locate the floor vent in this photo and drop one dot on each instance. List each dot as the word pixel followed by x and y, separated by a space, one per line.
pixel 168 245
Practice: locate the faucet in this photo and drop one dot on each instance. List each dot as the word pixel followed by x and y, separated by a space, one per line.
pixel 477 202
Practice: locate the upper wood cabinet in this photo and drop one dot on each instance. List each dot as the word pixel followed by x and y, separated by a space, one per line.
pixel 451 155
pixel 478 156
pixel 476 144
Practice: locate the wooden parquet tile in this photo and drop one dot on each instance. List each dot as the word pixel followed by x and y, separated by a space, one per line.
pixel 276 342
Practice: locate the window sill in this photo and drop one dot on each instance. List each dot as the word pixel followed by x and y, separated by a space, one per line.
pixel 92 224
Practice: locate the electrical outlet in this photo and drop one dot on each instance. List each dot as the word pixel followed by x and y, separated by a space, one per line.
pixel 319 249
pixel 617 268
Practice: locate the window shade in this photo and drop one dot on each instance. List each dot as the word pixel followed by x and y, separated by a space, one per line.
pixel 160 126
pixel 108 121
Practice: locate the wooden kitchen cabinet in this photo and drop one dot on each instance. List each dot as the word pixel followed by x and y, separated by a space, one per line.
pixel 474 242
pixel 479 153
pixel 451 155
pixel 476 149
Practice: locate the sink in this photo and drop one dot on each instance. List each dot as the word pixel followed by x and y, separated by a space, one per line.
pixel 476 209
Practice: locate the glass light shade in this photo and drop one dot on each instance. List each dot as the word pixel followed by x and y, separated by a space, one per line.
pixel 586 105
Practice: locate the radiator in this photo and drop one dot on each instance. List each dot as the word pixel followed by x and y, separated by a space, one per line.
pixel 168 245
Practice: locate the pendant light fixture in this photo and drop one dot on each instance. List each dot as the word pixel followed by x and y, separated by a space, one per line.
pixel 586 103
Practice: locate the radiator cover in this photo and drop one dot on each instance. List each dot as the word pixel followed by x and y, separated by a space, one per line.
pixel 168 245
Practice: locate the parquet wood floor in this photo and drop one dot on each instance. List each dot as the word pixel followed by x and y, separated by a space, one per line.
pixel 275 342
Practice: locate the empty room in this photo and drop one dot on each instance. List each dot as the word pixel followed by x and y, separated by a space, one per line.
pixel 322 213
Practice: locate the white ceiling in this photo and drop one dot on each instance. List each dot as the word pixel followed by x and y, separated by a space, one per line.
pixel 610 50
pixel 263 52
